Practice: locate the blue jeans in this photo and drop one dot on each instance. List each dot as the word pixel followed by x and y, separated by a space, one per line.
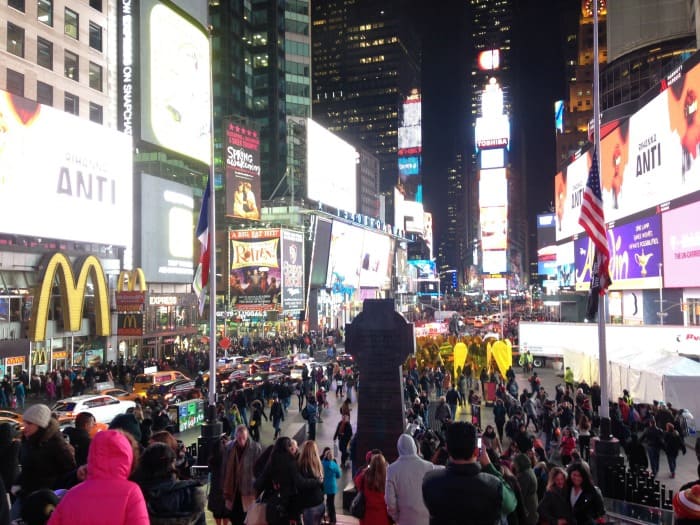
pixel 314 515
pixel 653 459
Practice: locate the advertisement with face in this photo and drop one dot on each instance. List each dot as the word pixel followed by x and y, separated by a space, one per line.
pixel 344 259
pixel 568 195
pixel 424 269
pixel 167 218
pixel 255 270
pixel 76 173
pixel 242 161
pixel 685 125
pixel 682 246
pixel 292 271
pixel 374 267
pixel 635 255
pixel 494 221
pixel 175 76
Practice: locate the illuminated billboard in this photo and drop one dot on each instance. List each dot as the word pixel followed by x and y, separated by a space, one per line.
pixel 375 267
pixel 568 195
pixel 489 59
pixel 175 82
pixel 492 129
pixel 425 269
pixel 566 265
pixel 167 223
pixel 493 188
pixel 494 228
pixel 344 258
pixel 254 274
pixel 332 172
pixel 428 232
pixel 492 158
pixel 410 147
pixel 409 166
pixel 681 233
pixel 635 258
pixel 242 168
pixel 292 271
pixel 494 261
pixel 63 177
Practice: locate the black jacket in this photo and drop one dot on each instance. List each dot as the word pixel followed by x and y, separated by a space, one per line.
pixel 553 507
pixel 9 456
pixel 588 507
pixel 80 441
pixel 461 494
pixel 173 502
pixel 310 492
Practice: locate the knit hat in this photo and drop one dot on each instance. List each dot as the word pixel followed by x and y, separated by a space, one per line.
pixel 128 423
pixel 39 506
pixel 40 415
pixel 686 504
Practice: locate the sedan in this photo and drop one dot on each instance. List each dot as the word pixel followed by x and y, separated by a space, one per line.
pixel 121 394
pixel 102 407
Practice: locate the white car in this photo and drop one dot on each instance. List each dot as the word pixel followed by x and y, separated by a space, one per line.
pixel 102 407
pixel 302 359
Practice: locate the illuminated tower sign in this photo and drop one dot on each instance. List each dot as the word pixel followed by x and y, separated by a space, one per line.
pixel 410 146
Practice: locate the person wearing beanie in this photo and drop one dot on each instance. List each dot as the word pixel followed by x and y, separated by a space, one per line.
pixel 106 496
pixel 686 505
pixel 46 458
pixel 128 423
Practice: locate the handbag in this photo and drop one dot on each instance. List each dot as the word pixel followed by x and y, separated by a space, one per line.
pixel 257 512
pixel 357 507
pixel 276 508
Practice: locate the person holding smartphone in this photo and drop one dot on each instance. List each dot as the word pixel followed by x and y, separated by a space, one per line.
pixel 331 473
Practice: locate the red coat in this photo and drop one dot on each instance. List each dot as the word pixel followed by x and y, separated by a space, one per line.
pixel 375 506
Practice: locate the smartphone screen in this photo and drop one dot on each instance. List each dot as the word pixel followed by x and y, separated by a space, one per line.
pixel 478 443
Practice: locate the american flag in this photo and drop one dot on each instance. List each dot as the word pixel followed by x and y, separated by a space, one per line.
pixel 592 220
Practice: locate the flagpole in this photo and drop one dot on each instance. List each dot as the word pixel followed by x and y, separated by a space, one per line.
pixel 602 352
pixel 212 249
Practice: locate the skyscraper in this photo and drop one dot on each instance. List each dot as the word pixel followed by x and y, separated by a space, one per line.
pixel 365 61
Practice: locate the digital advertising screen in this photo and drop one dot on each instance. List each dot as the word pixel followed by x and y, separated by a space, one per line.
pixel 167 223
pixel 681 231
pixel 331 169
pixel 428 232
pixel 242 170
pixel 63 177
pixel 492 158
pixel 412 216
pixel 409 166
pixel 493 188
pixel 175 82
pixel 320 253
pixel 344 258
pixel 546 230
pixel 255 269
pixel 375 267
pixel 424 269
pixel 494 261
pixel 566 265
pixel 292 271
pixel 569 185
pixel 547 261
pixel 494 228
pixel 636 252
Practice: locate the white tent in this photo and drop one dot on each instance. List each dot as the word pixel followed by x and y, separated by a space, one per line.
pixel 648 375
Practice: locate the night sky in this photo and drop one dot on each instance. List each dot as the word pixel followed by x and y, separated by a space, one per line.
pixel 539 80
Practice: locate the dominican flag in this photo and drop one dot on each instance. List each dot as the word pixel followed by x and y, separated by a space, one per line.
pixel 592 220
pixel 201 276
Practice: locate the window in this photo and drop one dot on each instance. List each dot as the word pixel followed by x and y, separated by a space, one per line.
pixel 70 66
pixel 95 113
pixel 15 39
pixel 15 82
pixel 95 36
pixel 45 11
pixel 70 24
pixel 95 76
pixel 71 103
pixel 44 93
pixel 16 4
pixel 96 4
pixel 44 53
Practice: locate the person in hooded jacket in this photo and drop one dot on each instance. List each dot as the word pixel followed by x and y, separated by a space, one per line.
pixel 331 473
pixel 106 496
pixel 528 487
pixel 169 501
pixel 403 493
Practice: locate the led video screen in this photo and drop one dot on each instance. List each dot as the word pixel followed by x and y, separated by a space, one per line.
pixel 344 258
pixel 375 264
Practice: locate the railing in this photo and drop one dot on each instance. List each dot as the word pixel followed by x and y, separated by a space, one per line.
pixel 625 511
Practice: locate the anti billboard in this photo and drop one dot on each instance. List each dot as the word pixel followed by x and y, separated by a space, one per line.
pixel 292 271
pixel 635 258
pixel 681 250
pixel 63 177
pixel 255 274
pixel 167 220
pixel 175 67
pixel 242 170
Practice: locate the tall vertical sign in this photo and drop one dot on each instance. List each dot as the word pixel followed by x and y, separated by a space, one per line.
pixel 292 271
pixel 242 168
pixel 128 66
pixel 410 148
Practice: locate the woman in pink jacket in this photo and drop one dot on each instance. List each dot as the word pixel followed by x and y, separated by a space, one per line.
pixel 106 496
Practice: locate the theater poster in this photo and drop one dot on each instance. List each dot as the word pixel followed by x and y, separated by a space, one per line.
pixel 255 269
pixel 292 271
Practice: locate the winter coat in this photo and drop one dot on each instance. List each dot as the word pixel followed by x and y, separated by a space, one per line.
pixel 106 496
pixel 174 502
pixel 528 487
pixel 9 456
pixel 238 476
pixel 588 507
pixel 46 460
pixel 673 443
pixel 331 473
pixel 375 506
pixel 404 481
pixel 553 507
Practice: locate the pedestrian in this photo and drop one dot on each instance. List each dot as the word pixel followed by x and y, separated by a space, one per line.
pixel 469 485
pixel 372 483
pixel 403 493
pixel 331 475
pixel 79 436
pixel 343 433
pixel 653 440
pixel 309 497
pixel 673 444
pixel 555 509
pixel 256 419
pixel 280 476
pixel 241 455
pixel 585 498
pixel 20 395
pixel 311 411
pixel 106 495
pixel 527 481
pixel 215 500
pixel 9 455
pixel 276 414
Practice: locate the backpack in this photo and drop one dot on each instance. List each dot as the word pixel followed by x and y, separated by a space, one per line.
pixel 305 412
